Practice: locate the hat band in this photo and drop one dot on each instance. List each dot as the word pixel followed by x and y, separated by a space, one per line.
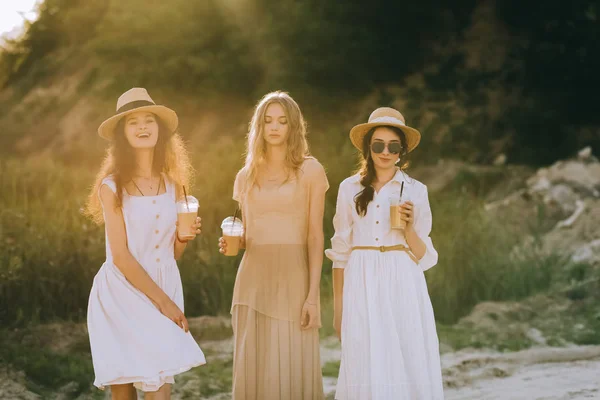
pixel 390 120
pixel 134 104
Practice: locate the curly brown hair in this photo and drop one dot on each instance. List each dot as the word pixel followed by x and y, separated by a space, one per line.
pixel 170 158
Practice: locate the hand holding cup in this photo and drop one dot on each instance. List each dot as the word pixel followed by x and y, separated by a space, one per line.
pixel 233 232
pixel 406 212
pixel 188 222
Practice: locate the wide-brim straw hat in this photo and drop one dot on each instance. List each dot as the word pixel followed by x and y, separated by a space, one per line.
pixel 385 116
pixel 134 100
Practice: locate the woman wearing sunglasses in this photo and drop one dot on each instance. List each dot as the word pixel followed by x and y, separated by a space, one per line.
pixel 382 310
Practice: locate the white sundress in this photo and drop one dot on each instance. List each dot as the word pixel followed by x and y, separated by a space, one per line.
pixel 131 340
pixel 390 348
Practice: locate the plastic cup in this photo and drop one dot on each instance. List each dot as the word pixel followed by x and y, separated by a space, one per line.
pixel 233 231
pixel 187 211
pixel 396 222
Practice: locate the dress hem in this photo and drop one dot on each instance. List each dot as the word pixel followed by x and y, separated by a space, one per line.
pixel 261 312
pixel 148 384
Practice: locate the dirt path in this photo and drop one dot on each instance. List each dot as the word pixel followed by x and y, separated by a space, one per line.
pixel 540 373
pixel 545 373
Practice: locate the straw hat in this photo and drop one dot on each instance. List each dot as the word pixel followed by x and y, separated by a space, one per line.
pixel 385 116
pixel 134 100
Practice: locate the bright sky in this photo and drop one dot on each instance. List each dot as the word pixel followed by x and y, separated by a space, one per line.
pixel 13 13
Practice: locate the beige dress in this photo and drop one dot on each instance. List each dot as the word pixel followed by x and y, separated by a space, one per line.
pixel 274 359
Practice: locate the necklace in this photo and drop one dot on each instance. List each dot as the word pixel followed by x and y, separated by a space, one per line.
pixel 150 185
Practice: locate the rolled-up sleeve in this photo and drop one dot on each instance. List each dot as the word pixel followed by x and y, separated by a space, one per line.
pixel 341 242
pixel 423 224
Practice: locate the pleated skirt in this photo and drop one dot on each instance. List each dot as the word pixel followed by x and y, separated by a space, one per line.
pixel 274 359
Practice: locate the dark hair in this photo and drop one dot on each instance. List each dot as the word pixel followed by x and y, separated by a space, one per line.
pixel 367 169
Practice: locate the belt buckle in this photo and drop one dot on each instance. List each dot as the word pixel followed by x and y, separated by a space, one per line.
pixel 382 249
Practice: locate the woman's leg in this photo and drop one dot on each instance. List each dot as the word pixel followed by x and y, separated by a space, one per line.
pixel 164 393
pixel 123 392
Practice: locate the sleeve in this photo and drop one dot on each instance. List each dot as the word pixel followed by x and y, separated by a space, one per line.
pixel 423 224
pixel 316 176
pixel 238 186
pixel 110 182
pixel 341 242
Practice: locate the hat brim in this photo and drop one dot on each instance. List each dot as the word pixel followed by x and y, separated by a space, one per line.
pixel 357 134
pixel 166 115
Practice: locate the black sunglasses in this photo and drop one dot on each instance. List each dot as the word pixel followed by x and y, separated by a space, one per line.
pixel 393 147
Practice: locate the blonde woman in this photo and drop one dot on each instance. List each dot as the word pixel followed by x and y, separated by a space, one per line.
pixel 138 333
pixel 382 310
pixel 275 309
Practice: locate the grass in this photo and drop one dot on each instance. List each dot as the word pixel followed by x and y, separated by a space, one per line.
pixel 331 368
pixel 48 370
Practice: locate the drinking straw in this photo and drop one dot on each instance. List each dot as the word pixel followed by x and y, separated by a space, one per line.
pixel 234 217
pixel 401 190
pixel 186 202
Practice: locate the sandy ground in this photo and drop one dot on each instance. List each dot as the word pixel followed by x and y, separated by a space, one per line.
pixel 544 373
pixel 535 374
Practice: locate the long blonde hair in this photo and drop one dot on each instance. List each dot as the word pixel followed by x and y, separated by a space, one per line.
pixel 297 145
pixel 170 158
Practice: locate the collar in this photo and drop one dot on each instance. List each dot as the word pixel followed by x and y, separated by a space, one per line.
pixel 399 177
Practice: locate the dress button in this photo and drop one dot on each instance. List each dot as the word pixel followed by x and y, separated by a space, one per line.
pixel 157 215
pixel 377 239
pixel 156 247
pixel 158 260
pixel 377 205
pixel 376 222
pixel 156 231
pixel 153 201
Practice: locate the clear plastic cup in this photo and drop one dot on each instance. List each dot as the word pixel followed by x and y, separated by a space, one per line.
pixel 233 231
pixel 187 211
pixel 396 222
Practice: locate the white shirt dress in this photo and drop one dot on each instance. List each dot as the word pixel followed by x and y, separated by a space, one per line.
pixel 390 348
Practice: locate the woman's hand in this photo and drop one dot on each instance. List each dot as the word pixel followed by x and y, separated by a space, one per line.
pixel 170 310
pixel 406 211
pixel 196 230
pixel 222 245
pixel 310 315
pixel 337 325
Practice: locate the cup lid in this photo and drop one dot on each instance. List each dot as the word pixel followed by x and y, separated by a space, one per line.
pixel 190 200
pixel 229 223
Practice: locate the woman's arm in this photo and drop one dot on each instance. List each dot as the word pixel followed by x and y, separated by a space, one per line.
pixel 419 222
pixel 180 245
pixel 128 265
pixel 341 247
pixel 417 246
pixel 338 300
pixel 317 184
pixel 315 243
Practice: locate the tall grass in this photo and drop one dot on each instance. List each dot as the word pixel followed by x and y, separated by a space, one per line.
pixel 49 252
